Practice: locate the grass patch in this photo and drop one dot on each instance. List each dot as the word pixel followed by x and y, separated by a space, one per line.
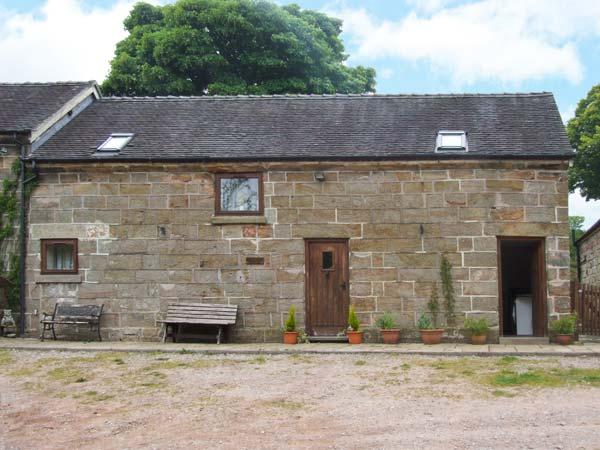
pixel 507 360
pixel 360 362
pixel 167 365
pixel 67 374
pixel 22 372
pixel 501 393
pixel 300 358
pixel 556 377
pixel 92 397
pixel 259 360
pixel 5 358
pixel 285 404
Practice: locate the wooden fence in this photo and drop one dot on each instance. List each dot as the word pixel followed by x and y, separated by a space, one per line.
pixel 585 301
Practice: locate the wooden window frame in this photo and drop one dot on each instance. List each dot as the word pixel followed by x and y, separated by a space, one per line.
pixel 45 243
pixel 261 202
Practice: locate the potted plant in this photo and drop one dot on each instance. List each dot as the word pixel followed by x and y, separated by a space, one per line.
pixel 355 336
pixel 430 333
pixel 478 329
pixel 388 329
pixel 290 334
pixel 564 328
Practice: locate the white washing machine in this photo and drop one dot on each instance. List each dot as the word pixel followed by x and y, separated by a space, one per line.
pixel 523 315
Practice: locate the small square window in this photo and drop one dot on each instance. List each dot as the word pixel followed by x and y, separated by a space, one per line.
pixel 239 194
pixel 451 141
pixel 328 260
pixel 116 142
pixel 59 256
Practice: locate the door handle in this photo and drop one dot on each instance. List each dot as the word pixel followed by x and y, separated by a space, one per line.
pixel 343 285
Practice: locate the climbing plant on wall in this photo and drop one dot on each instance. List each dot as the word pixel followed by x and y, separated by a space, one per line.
pixel 448 288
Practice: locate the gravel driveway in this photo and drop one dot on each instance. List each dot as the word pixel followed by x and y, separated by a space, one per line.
pixel 126 400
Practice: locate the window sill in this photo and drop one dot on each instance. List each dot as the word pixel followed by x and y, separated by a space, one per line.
pixel 58 278
pixel 243 220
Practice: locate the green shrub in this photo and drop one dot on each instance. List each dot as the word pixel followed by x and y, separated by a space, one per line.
pixel 564 325
pixel 290 322
pixel 447 287
pixel 424 323
pixel 433 306
pixel 386 322
pixel 353 322
pixel 477 327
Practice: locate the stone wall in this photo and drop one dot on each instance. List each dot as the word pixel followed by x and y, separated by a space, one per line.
pixel 589 251
pixel 146 238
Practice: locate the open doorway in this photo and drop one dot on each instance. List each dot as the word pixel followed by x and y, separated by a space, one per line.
pixel 522 286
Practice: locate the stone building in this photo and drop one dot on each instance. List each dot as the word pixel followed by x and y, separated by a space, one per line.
pixel 589 256
pixel 312 201
pixel 29 114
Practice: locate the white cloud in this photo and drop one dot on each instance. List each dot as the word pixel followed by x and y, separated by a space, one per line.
pixel 578 206
pixel 386 73
pixel 60 41
pixel 429 6
pixel 509 41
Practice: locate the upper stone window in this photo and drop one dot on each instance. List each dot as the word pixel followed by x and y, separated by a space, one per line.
pixel 451 141
pixel 116 142
pixel 239 193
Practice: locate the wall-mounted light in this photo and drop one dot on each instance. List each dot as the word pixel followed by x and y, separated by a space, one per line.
pixel 319 176
pixel 3 150
pixel 421 230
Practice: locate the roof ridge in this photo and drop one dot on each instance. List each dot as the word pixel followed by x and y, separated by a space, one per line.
pixel 46 83
pixel 322 96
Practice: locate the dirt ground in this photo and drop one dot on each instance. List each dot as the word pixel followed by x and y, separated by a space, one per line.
pixel 125 400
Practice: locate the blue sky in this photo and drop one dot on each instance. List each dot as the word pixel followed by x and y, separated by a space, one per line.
pixel 417 46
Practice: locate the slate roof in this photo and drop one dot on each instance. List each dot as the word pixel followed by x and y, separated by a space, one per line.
pixel 25 106
pixel 314 127
pixel 592 230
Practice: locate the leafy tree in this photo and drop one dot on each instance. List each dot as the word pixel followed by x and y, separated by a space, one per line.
pixel 229 47
pixel 576 226
pixel 584 134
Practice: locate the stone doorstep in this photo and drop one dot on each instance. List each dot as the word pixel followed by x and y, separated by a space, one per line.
pixel 444 349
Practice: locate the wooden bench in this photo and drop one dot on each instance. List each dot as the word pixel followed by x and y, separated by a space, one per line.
pixel 180 314
pixel 67 314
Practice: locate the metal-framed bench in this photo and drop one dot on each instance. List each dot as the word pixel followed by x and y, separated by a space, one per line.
pixel 181 314
pixel 67 314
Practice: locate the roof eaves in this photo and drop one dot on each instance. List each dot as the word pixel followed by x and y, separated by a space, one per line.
pixel 408 157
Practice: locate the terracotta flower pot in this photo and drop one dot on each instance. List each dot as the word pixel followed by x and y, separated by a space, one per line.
pixel 430 337
pixel 478 339
pixel 354 337
pixel 390 336
pixel 290 337
pixel 563 339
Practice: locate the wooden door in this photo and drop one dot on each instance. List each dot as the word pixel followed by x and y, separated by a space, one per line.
pixel 533 249
pixel 327 286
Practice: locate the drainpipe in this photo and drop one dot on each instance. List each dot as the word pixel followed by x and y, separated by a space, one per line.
pixel 577 255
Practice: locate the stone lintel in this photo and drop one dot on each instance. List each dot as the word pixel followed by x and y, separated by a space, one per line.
pixel 43 279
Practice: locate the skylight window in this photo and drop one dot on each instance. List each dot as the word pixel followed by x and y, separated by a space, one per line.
pixel 116 142
pixel 451 141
